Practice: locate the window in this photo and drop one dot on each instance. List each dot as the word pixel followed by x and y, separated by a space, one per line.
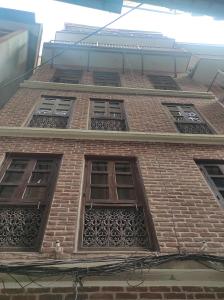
pixel 26 187
pixel 68 76
pixel 214 174
pixel 107 115
pixel 53 112
pixel 187 119
pixel 113 201
pixel 163 82
pixel 106 78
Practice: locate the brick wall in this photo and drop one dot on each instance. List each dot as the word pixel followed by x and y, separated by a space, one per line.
pixel 114 293
pixel 185 212
pixel 143 113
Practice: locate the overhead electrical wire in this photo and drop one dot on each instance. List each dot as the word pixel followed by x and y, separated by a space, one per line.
pixel 112 265
pixel 74 44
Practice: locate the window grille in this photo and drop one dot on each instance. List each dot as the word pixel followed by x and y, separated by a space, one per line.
pixel 107 115
pixel 53 112
pixel 106 78
pixel 214 174
pixel 68 76
pixel 163 82
pixel 26 188
pixel 187 119
pixel 114 214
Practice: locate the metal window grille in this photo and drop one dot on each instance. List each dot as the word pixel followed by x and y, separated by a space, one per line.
pixel 187 119
pixel 106 78
pixel 25 190
pixel 53 112
pixel 114 214
pixel 107 115
pixel 163 82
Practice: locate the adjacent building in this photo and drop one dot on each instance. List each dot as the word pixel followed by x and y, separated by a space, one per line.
pixel 20 38
pixel 113 152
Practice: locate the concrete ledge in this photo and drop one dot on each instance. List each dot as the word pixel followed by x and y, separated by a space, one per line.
pixel 113 90
pixel 76 134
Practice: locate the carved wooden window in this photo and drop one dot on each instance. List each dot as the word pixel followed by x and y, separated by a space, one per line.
pixel 68 76
pixel 187 119
pixel 106 78
pixel 107 115
pixel 214 174
pixel 53 112
pixel 26 186
pixel 114 216
pixel 163 82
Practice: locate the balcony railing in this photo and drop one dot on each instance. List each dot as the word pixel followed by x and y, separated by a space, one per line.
pixel 115 46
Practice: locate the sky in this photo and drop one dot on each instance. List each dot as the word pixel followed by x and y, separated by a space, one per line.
pixel 183 27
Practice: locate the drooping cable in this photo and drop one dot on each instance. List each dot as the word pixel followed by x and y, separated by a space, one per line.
pixel 74 44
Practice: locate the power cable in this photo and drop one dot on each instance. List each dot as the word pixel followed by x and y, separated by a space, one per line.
pixel 74 44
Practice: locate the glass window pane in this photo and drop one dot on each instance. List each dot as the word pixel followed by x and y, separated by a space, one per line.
pixel 35 193
pixel 7 191
pixel 124 179
pixel 122 167
pixel 99 193
pixel 12 177
pixel 213 170
pixel 99 166
pixel 126 193
pixel 115 115
pixel 40 178
pixel 44 110
pixel 99 178
pixel 114 104
pixel 222 193
pixel 18 164
pixel 99 103
pixel 219 182
pixel 98 113
pixel 44 165
pixel 61 112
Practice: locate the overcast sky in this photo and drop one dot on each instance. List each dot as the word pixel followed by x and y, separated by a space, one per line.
pixel 181 26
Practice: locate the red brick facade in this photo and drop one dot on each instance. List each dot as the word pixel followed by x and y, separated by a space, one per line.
pixel 184 210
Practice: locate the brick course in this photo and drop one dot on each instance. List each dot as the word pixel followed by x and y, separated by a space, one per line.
pixel 86 294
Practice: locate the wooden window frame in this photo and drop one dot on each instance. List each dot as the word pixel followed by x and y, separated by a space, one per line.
pixel 55 106
pixel 107 111
pixel 16 199
pixel 159 82
pixel 106 78
pixel 202 164
pixel 180 108
pixel 140 201
pixel 69 76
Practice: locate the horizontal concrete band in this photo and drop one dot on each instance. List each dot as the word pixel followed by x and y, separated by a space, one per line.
pixel 113 90
pixel 76 134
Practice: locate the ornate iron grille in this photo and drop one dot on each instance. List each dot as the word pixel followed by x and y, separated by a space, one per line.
pixel 48 121
pixel 108 124
pixel 114 227
pixel 19 226
pixel 193 128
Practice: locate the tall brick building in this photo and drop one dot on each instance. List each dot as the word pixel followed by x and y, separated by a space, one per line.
pixel 113 153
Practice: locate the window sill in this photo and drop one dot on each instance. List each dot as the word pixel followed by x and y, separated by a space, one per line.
pixel 114 90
